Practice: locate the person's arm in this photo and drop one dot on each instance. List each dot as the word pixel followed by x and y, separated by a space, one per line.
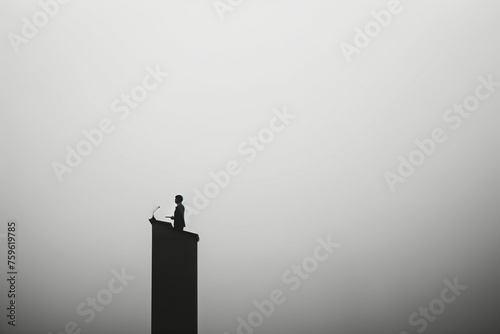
pixel 179 215
pixel 173 217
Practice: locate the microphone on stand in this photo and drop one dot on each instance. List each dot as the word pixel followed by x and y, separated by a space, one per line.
pixel 153 215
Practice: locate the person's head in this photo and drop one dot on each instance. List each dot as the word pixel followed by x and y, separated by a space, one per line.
pixel 178 199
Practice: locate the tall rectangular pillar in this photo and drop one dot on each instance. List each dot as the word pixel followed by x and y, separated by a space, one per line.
pixel 174 300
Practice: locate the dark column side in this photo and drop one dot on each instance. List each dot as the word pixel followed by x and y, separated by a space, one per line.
pixel 174 300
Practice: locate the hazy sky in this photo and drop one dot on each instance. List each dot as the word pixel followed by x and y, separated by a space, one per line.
pixel 371 125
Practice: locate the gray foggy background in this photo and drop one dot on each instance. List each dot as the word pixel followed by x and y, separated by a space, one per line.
pixel 232 65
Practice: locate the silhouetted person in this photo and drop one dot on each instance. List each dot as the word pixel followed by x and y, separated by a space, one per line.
pixel 178 216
